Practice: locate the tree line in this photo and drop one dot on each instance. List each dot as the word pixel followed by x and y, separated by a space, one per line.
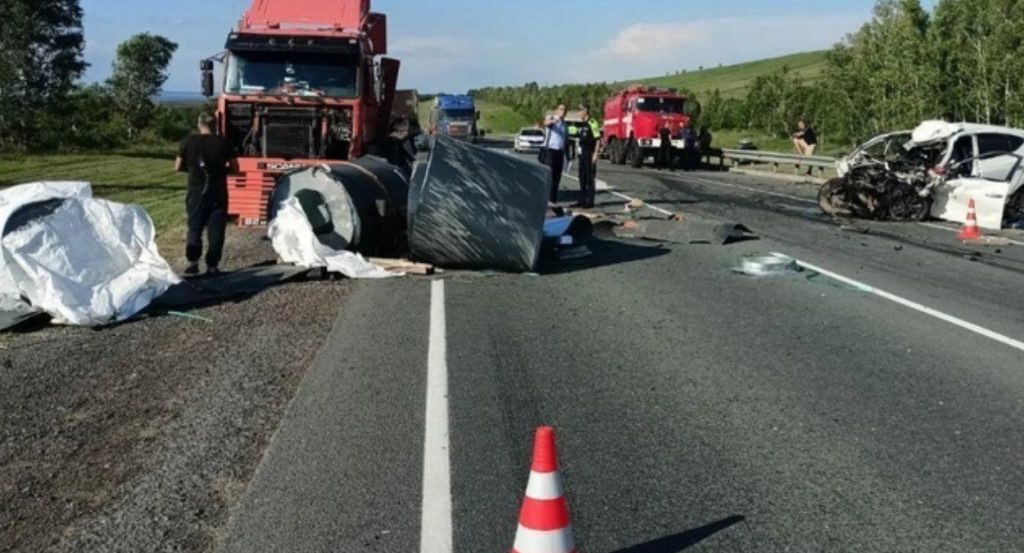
pixel 963 61
pixel 44 106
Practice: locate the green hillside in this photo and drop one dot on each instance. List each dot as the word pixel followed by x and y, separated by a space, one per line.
pixel 733 80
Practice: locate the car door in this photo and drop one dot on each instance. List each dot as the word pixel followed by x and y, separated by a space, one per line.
pixel 990 191
pixel 992 163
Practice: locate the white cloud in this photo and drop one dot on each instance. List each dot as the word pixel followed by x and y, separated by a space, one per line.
pixel 644 39
pixel 650 49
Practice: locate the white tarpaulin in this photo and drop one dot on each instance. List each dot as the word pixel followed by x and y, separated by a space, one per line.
pixel 295 242
pixel 84 261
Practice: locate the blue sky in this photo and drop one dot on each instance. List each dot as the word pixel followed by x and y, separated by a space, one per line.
pixel 453 45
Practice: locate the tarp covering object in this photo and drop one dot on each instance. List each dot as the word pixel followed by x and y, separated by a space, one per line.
pixel 474 208
pixel 295 241
pixel 84 261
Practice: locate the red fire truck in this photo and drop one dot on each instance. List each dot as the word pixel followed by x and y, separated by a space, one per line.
pixel 304 84
pixel 634 118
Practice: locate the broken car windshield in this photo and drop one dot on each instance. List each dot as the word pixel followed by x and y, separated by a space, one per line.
pixel 292 74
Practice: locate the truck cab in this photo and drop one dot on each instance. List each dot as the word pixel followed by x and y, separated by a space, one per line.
pixel 304 84
pixel 635 118
pixel 456 117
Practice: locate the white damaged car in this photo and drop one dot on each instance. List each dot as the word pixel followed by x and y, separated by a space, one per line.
pixel 956 162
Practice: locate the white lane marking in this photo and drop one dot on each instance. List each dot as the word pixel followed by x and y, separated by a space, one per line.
pixel 953 229
pixel 736 186
pixel 966 325
pixel 436 523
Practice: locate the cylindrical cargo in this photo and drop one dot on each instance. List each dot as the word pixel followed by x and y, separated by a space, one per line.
pixel 359 206
pixel 475 208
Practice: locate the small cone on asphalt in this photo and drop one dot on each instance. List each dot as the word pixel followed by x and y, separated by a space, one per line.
pixel 970 230
pixel 544 520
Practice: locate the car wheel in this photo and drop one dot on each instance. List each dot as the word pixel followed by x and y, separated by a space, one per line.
pixel 635 155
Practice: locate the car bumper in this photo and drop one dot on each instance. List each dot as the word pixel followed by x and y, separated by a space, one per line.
pixel 655 143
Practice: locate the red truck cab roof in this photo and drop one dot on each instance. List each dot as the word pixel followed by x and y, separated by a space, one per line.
pixel 324 15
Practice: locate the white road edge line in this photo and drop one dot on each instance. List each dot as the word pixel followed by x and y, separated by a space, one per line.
pixel 951 229
pixel 436 522
pixel 966 325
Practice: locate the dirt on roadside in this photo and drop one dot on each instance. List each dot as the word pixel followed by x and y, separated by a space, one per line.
pixel 142 436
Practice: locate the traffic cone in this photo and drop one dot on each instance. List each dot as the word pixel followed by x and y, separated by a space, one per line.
pixel 544 521
pixel 970 230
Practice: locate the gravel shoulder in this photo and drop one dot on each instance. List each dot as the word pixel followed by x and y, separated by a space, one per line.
pixel 141 437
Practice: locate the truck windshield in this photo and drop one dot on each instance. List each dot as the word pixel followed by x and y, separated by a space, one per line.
pixel 289 73
pixel 661 105
pixel 460 114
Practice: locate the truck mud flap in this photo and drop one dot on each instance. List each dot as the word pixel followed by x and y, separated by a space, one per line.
pixel 473 208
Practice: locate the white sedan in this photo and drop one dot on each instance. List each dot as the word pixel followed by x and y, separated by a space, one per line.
pixel 529 139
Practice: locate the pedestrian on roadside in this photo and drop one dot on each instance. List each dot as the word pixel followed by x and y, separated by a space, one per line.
pixel 706 139
pixel 589 137
pixel 805 140
pixel 553 152
pixel 665 160
pixel 208 159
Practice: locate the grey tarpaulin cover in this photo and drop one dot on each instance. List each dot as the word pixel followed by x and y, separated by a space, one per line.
pixel 477 209
pixel 84 261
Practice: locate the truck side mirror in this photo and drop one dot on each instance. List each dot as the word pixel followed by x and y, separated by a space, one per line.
pixel 206 67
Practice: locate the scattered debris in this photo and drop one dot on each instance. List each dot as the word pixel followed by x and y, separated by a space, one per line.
pixel 189 316
pixel 403 266
pixel 767 265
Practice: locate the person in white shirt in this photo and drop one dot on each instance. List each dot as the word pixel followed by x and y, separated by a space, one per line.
pixel 554 147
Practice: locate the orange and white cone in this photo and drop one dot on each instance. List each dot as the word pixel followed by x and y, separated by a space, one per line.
pixel 970 230
pixel 544 525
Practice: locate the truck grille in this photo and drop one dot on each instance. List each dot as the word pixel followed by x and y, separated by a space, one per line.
pixel 290 133
pixel 288 141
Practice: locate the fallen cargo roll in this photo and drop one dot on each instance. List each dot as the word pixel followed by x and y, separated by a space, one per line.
pixel 360 206
pixel 474 208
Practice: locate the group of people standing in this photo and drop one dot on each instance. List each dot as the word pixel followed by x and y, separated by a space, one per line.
pixel 556 148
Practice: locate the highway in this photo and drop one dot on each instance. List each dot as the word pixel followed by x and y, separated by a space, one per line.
pixel 696 409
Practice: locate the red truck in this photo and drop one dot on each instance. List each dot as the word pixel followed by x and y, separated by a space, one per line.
pixel 305 83
pixel 634 117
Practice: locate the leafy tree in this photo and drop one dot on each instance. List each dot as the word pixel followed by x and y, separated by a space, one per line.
pixel 40 59
pixel 140 72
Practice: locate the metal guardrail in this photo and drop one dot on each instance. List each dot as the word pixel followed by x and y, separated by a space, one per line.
pixel 777 159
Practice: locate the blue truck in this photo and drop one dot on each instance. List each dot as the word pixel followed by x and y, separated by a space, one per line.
pixel 456 117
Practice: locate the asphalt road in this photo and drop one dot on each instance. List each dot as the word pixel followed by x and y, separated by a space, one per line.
pixel 696 409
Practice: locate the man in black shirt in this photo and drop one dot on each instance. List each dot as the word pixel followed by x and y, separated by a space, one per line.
pixel 207 158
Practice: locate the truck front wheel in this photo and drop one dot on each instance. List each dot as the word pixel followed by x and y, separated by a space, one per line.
pixel 618 153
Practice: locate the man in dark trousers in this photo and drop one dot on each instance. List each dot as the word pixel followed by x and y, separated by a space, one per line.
pixel 207 158
pixel 589 137
pixel 555 147
pixel 665 160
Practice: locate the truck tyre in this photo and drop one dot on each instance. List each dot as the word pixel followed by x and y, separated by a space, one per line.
pixel 636 155
pixel 619 152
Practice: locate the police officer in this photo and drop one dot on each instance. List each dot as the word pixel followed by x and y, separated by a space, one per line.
pixel 589 136
pixel 207 158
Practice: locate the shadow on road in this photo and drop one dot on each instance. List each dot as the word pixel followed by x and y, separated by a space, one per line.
pixel 605 253
pixel 683 540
